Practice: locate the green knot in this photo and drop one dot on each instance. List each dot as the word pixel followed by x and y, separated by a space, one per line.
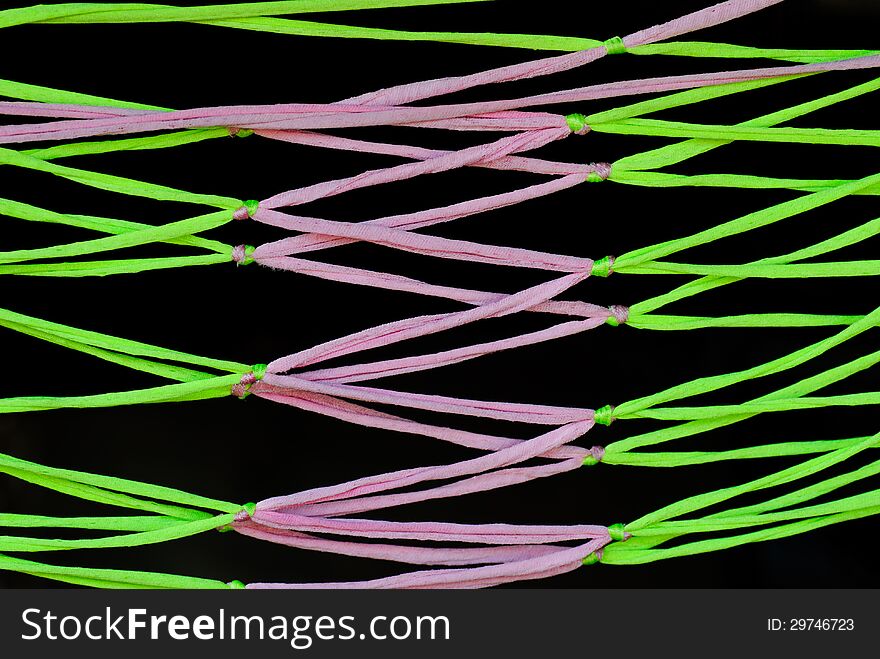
pixel 594 457
pixel 595 177
pixel 592 559
pixel 615 46
pixel 243 254
pixel 603 415
pixel 603 267
pixel 242 388
pixel 243 132
pixel 247 210
pixel 236 585
pixel 617 532
pixel 577 123
pixel 618 315
pixel 249 509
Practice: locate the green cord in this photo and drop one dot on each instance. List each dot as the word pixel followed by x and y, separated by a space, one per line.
pixel 603 267
pixel 102 578
pixel 124 240
pixel 689 458
pixel 258 16
pixel 649 531
pixel 103 13
pixel 116 344
pixel 675 153
pixel 118 184
pixel 751 221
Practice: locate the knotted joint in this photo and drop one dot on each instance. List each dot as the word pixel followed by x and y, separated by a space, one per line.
pixel 247 211
pixel 601 172
pixel 604 416
pixel 617 532
pixel 615 46
pixel 243 254
pixel 593 558
pixel 239 132
pixel 603 267
pixel 619 315
pixel 595 456
pixel 243 388
pixel 577 123
pixel 236 585
pixel 247 511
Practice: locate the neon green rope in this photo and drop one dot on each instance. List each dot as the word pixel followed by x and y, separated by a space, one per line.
pixel 656 528
pixel 258 16
pixel 101 578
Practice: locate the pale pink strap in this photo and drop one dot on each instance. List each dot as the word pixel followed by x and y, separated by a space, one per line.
pixel 398 553
pixel 395 332
pixel 557 562
pixel 517 453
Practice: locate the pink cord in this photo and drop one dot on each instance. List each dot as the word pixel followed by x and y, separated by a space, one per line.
pixel 473 475
pixel 327 116
pixel 291 520
pixel 329 392
pixel 404 94
pixel 398 553
pixel 547 564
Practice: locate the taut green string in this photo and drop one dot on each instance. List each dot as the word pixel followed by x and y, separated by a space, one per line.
pixel 108 225
pixel 126 234
pixel 167 521
pixel 193 385
pixel 161 233
pixel 121 13
pixel 665 322
pixel 782 477
pixel 137 539
pixel 630 553
pixel 258 16
pixel 118 184
pixel 111 267
pixel 102 578
pixel 688 458
pixel 659 128
pixel 757 219
pixel 713 383
pixel 127 523
pixel 709 418
pixel 676 153
pixel 639 313
pixel 116 344
pixel 656 528
pixel 757 407
pixel 705 418
pixel 215 387
pixel 122 485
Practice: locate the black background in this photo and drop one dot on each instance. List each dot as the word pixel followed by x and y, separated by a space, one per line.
pixel 245 451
